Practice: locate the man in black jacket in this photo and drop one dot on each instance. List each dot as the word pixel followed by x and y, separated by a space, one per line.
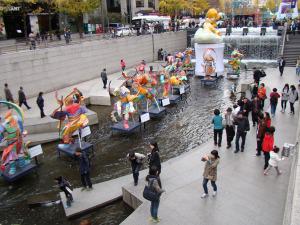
pixel 22 98
pixel 281 65
pixel 84 168
pixel 246 106
pixel 243 126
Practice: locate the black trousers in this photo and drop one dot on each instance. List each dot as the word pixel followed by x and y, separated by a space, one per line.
pixel 237 140
pixel 25 103
pixel 42 112
pixel 69 197
pixel 218 135
pixel 262 104
pixel 292 108
pixel 254 117
pixel 259 147
pixel 281 68
pixel 135 172
pixel 230 132
pixel 267 157
pixel 86 180
pixel 104 82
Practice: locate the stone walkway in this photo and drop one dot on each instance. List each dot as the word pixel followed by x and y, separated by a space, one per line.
pixel 245 195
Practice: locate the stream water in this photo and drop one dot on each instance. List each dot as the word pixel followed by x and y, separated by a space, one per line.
pixel 185 127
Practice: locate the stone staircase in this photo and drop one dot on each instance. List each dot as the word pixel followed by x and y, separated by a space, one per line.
pixel 292 50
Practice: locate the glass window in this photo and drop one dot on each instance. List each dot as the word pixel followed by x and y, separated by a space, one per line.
pixel 151 4
pixel 139 3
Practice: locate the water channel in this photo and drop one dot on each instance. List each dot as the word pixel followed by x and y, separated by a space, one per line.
pixel 185 127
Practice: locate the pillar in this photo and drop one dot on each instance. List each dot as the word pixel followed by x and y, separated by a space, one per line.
pixel 133 7
pixel 123 4
pixel 157 5
pixel 146 4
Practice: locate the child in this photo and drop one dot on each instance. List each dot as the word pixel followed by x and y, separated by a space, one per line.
pixel 66 187
pixel 273 162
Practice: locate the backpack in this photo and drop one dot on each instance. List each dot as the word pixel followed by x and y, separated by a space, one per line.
pixel 273 99
pixel 263 73
pixel 150 193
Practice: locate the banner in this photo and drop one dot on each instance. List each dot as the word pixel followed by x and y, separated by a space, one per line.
pixel 287 9
pixel 209 58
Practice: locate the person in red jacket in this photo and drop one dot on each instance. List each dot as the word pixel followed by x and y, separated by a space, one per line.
pixel 267 119
pixel 268 144
pixel 123 65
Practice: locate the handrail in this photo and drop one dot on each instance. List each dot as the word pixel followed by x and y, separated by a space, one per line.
pixel 283 39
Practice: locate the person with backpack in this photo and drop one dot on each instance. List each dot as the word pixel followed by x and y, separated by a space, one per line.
pixel 284 97
pixel 66 187
pixel 152 192
pixel 218 127
pixel 268 144
pixel 293 97
pixel 210 172
pixel 136 160
pixel 243 126
pixel 274 96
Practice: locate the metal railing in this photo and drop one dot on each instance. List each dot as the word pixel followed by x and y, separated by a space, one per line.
pixel 283 40
pixel 41 44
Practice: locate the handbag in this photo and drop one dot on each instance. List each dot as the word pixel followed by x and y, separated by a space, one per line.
pixel 149 192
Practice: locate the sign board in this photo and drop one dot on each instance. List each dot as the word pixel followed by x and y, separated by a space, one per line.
pixel 145 117
pixel 35 151
pixel 86 131
pixel 181 90
pixel 165 102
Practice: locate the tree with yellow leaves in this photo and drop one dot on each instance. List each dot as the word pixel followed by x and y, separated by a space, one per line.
pixel 174 7
pixel 76 9
pixel 270 4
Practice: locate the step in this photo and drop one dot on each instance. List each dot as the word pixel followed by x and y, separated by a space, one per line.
pixel 42 138
pixel 49 125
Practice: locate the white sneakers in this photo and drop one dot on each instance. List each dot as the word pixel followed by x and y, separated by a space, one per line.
pixel 206 195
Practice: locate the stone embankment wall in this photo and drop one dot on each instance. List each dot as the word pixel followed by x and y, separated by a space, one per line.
pixel 58 67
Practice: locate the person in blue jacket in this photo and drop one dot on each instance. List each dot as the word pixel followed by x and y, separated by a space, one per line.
pixel 218 127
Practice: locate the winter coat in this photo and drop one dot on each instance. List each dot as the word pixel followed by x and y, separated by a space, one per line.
pixel 156 183
pixel 268 142
pixel 217 122
pixel 8 95
pixel 22 96
pixel 40 101
pixel 154 160
pixel 261 129
pixel 293 95
pixel 210 169
pixel 285 94
pixel 274 96
pixel 262 93
pixel 229 119
pixel 242 124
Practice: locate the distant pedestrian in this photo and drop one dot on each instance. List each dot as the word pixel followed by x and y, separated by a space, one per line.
pixel 229 127
pixel 40 103
pixel 154 158
pixel 136 160
pixel 274 160
pixel 255 110
pixel 298 64
pixel 32 41
pixel 243 126
pixel 293 97
pixel 104 78
pixel 268 144
pixel 254 90
pixel 218 127
pixel 262 95
pixel 261 130
pixel 154 184
pixel 84 169
pixel 210 172
pixel 274 96
pixel 66 187
pixel 284 97
pixel 123 65
pixel 22 98
pixel 257 74
pixel 8 94
pixel 281 65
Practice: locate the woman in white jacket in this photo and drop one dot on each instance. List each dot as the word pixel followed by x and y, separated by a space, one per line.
pixel 293 97
pixel 273 161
